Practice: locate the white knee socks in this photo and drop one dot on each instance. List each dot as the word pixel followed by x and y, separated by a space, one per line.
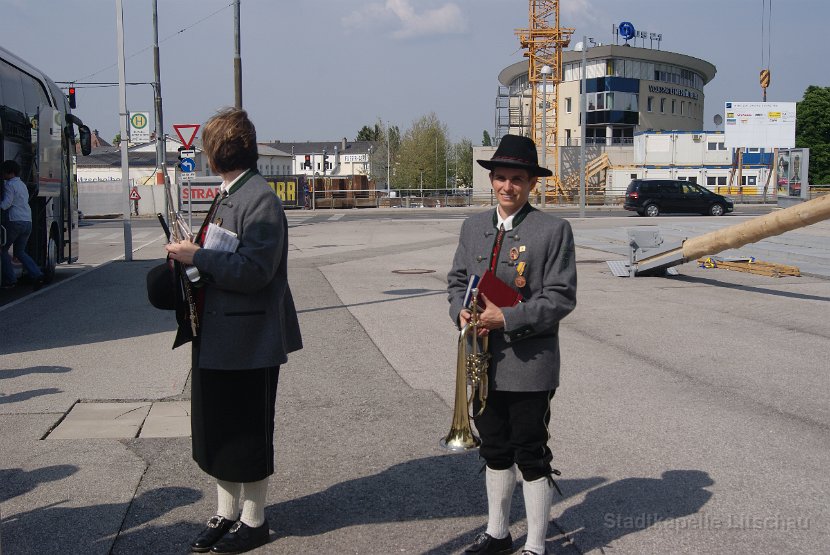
pixel 253 504
pixel 228 504
pixel 252 495
pixel 500 486
pixel 538 496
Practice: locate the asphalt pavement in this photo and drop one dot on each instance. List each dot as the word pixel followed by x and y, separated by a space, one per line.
pixel 692 415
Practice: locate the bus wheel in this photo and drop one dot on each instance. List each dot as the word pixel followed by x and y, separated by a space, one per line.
pixel 51 258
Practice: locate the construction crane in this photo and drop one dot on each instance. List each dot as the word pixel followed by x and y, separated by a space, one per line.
pixel 543 42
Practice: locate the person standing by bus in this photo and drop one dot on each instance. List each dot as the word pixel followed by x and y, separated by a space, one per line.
pixel 18 224
pixel 247 327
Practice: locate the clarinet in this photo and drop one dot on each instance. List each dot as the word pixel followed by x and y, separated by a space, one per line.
pixel 178 231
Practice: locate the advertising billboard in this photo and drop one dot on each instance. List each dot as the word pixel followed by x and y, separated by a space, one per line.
pixel 793 166
pixel 759 125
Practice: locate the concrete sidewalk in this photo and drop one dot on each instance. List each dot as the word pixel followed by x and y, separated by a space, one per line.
pixel 692 415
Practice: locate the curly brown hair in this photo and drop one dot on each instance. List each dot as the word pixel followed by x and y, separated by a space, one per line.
pixel 229 141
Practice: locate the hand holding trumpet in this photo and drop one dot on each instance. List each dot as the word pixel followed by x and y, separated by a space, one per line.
pixel 491 318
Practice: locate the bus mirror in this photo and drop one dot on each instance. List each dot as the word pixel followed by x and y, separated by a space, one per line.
pixel 86 139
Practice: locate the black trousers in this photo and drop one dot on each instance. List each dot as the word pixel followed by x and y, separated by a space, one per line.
pixel 514 430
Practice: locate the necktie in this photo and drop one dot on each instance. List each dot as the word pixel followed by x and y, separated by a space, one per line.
pixel 494 259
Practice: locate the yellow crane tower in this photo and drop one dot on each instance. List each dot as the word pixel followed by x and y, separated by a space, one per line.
pixel 543 42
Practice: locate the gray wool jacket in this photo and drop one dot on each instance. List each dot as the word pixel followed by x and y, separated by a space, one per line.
pixel 525 354
pixel 249 319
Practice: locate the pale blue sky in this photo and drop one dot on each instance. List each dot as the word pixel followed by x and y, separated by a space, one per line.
pixel 320 69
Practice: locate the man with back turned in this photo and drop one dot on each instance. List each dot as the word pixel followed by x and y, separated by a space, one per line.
pixel 533 252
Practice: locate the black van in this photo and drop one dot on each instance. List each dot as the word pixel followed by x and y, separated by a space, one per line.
pixel 651 197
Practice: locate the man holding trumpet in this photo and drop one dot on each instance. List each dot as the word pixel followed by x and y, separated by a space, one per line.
pixel 533 253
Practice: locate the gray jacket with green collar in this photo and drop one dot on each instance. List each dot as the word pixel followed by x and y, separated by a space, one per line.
pixel 249 319
pixel 525 354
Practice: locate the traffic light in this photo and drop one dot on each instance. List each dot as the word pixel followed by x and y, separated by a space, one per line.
pixel 307 163
pixel 325 160
pixel 71 97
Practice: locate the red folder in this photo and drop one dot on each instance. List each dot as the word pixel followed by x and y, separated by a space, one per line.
pixel 497 291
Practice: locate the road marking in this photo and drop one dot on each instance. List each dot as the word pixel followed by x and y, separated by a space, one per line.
pixel 335 217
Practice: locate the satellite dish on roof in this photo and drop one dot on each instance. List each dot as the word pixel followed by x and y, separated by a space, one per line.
pixel 578 47
pixel 718 119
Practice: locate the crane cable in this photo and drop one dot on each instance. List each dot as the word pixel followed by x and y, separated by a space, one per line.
pixel 766 33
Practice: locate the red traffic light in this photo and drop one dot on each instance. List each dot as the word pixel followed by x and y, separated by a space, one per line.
pixel 71 96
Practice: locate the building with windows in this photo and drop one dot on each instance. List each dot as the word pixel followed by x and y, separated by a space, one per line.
pixel 328 158
pixel 628 90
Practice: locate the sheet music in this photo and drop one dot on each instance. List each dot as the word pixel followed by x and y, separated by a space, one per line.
pixel 220 239
pixel 468 295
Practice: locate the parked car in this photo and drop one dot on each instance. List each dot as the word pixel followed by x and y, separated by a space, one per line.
pixel 652 197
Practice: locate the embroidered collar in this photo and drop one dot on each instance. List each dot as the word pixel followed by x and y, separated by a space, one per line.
pixel 240 180
pixel 517 218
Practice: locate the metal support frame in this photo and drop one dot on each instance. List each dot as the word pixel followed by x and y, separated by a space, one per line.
pixel 543 41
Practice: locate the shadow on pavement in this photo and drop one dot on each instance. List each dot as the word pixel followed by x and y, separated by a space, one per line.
pixel 17 372
pixel 631 505
pixel 57 529
pixel 431 488
pixel 16 481
pixel 105 305
pixel 26 395
pixel 749 288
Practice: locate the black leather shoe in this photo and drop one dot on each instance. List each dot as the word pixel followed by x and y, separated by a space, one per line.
pixel 485 544
pixel 242 538
pixel 217 527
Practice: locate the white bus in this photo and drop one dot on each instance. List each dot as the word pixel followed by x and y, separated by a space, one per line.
pixel 37 130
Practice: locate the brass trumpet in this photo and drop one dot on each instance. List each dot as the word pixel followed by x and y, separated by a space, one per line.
pixel 471 369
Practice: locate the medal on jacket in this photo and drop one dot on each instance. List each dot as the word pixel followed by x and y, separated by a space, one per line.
pixel 520 280
pixel 514 254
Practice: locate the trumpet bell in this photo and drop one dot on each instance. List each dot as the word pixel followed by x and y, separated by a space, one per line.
pixel 461 439
pixel 461 436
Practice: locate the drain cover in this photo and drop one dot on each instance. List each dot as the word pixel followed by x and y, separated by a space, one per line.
pixel 413 271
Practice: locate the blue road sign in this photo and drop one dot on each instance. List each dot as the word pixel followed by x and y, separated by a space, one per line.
pixel 627 30
pixel 187 165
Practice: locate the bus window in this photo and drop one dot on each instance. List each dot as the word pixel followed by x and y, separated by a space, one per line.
pixel 33 95
pixel 11 87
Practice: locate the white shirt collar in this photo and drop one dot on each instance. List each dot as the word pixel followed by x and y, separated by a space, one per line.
pixel 225 187
pixel 506 222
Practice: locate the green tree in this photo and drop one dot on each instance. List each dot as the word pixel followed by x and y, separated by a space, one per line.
pixel 383 155
pixel 423 153
pixel 812 130
pixel 368 133
pixel 486 140
pixel 464 163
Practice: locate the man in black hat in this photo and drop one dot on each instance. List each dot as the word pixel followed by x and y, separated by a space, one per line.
pixel 533 252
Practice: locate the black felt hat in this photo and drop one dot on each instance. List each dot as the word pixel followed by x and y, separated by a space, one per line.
pixel 515 151
pixel 161 287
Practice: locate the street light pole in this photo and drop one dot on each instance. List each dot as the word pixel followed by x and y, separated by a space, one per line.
pixel 583 112
pixel 545 71
pixel 388 165
pixel 237 57
pixel 161 144
pixel 125 142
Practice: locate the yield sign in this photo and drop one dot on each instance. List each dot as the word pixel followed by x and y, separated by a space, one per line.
pixel 134 194
pixel 184 130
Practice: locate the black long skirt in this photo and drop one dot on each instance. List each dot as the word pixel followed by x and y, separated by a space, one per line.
pixel 232 421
